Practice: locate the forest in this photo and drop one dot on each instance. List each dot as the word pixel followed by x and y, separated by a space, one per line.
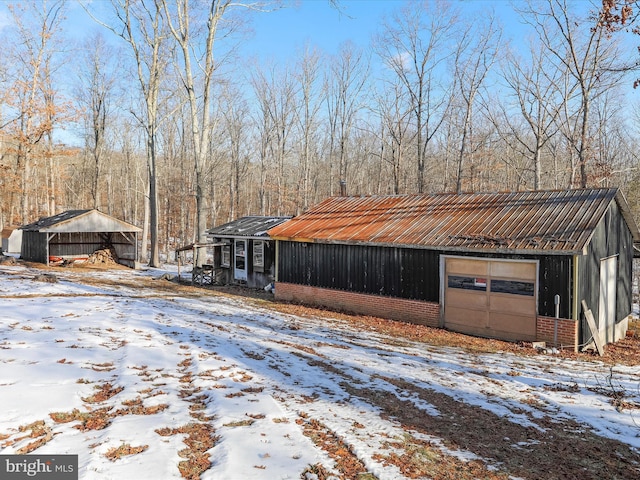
pixel 155 117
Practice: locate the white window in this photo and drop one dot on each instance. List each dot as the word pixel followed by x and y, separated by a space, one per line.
pixel 258 256
pixel 225 261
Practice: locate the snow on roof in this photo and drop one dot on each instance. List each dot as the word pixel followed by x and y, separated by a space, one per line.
pixel 250 226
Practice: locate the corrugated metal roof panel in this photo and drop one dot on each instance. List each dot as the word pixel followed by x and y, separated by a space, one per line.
pixel 91 220
pixel 561 221
pixel 45 222
pixel 250 226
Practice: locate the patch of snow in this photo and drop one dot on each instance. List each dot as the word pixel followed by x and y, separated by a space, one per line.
pixel 250 371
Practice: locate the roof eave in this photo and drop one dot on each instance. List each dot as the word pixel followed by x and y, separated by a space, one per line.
pixel 459 249
pixel 239 235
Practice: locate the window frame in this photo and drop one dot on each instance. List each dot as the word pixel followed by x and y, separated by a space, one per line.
pixel 259 248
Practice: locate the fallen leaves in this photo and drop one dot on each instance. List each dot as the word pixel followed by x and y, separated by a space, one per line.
pixel 105 392
pixel 38 430
pixel 123 450
pixel 346 462
pixel 200 438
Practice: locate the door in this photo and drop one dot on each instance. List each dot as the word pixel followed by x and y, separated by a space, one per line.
pixel 240 260
pixel 607 302
pixel 491 298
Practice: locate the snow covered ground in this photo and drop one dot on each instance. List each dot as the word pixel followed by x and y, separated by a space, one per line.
pixel 87 368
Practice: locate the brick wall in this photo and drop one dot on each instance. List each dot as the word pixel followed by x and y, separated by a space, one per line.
pixel 567 331
pixel 413 311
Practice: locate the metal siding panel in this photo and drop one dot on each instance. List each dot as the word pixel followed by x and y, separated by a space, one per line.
pixel 589 271
pixel 555 279
pixel 624 249
pixel 405 273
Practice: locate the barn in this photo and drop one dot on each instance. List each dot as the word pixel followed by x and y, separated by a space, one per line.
pixel 515 265
pixel 247 255
pixel 76 234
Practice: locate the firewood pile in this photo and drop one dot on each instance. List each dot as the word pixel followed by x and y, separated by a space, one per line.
pixel 6 260
pixel 105 256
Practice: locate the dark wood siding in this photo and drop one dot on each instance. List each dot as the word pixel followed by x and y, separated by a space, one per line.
pixel 85 243
pixel 611 237
pixel 555 278
pixel 395 272
pixel 34 244
pixel 404 272
pixel 261 277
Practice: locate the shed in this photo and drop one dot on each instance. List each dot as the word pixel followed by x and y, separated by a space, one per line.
pixel 76 234
pixel 513 265
pixel 11 240
pixel 247 254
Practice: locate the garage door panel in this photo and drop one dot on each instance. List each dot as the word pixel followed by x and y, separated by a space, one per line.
pixel 467 298
pixel 464 316
pixel 467 267
pixel 521 270
pixel 506 309
pixel 512 304
pixel 521 325
pixel 474 330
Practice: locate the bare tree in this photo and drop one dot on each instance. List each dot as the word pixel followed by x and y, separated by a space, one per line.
pixel 265 132
pixel 416 44
pixel 96 82
pixel 31 96
pixel 142 27
pixel 276 94
pixel 199 65
pixel 235 112
pixel 395 135
pixel 477 52
pixel 590 57
pixel 179 20
pixel 539 96
pixel 310 102
pixel 348 74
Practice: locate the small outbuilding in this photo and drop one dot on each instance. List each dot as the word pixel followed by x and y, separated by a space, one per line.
pixel 515 266
pixel 76 234
pixel 247 254
pixel 11 240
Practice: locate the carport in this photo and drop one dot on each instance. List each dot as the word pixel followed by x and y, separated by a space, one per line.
pixel 76 234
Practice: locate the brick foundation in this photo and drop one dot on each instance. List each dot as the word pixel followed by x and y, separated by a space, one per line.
pixel 413 311
pixel 567 331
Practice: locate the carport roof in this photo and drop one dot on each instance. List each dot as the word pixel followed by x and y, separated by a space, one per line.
pixel 73 221
pixel 560 222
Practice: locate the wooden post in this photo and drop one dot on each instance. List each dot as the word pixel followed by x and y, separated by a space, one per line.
pixel 594 328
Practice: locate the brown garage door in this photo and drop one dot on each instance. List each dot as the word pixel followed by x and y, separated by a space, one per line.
pixel 490 298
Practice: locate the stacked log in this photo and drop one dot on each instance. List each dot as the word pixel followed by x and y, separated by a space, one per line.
pixel 105 256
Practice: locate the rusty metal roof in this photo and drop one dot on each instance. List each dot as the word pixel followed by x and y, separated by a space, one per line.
pixel 516 222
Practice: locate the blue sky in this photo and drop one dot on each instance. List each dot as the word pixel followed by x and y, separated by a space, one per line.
pixel 282 33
